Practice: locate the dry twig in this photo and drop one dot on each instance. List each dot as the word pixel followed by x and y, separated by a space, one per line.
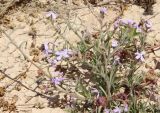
pixel 5 9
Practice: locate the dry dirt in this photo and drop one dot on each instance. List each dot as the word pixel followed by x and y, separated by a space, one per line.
pixel 22 22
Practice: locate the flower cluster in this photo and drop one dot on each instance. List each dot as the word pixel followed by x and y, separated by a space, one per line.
pixel 117 109
pixel 140 55
pixel 59 55
pixel 127 22
pixel 57 80
pixel 63 54
pixel 147 25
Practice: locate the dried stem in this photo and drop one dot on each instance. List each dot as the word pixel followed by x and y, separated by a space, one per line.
pixel 75 94
pixel 25 56
pixel 10 4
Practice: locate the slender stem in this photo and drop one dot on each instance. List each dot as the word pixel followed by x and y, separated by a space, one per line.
pixel 75 94
pixel 25 56
pixel 23 85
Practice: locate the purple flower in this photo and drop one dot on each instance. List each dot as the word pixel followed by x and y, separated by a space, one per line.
pixel 52 15
pixel 123 22
pixel 116 24
pixel 117 110
pixel 148 24
pixel 103 10
pixel 140 55
pixel 57 80
pixel 52 62
pixel 46 49
pixel 126 108
pixel 138 30
pixel 63 54
pixel 114 43
pixel 130 22
pixel 135 25
pixel 106 110
pixel 56 73
pixel 116 60
pixel 127 22
pixel 94 90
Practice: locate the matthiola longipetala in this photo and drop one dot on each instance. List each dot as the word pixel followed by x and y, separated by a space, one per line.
pixel 57 80
pixel 114 43
pixel 117 110
pixel 52 15
pixel 55 57
pixel 103 70
pixel 66 53
pixel 103 10
pixel 121 109
pixel 46 50
pixel 140 56
pixel 127 22
pixel 148 25
pixel 58 77
pixel 92 59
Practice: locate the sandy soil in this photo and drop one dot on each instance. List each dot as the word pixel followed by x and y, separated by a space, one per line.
pixel 14 63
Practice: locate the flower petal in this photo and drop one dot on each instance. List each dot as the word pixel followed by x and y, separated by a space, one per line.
pixel 59 58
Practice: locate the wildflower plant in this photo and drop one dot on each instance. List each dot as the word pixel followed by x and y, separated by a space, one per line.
pixel 102 73
pixel 112 60
pixel 104 69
